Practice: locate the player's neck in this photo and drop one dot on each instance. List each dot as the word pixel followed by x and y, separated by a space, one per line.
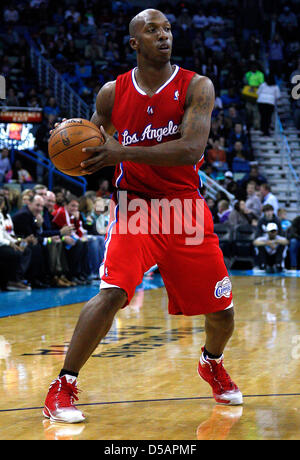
pixel 151 77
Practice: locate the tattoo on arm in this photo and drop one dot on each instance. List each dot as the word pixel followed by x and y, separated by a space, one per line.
pixel 199 106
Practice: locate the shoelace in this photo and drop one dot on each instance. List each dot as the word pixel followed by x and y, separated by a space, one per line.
pixel 222 377
pixel 66 394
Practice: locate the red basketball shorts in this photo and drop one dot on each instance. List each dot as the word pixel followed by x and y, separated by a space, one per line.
pixel 176 234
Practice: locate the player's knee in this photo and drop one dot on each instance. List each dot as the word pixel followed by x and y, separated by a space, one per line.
pixel 222 319
pixel 111 300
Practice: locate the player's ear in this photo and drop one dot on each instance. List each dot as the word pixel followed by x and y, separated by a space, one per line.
pixel 133 42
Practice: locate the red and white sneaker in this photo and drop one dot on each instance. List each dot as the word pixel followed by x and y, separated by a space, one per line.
pixel 59 403
pixel 225 391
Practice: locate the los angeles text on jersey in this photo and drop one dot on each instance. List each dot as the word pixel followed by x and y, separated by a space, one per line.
pixel 150 133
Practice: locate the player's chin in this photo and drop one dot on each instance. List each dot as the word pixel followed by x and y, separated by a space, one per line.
pixel 164 56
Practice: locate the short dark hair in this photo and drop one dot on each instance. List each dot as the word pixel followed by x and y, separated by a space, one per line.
pixel 267 207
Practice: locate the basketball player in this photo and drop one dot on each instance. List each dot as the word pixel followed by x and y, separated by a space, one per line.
pixel 162 114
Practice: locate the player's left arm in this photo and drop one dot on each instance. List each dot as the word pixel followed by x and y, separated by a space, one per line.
pixel 187 150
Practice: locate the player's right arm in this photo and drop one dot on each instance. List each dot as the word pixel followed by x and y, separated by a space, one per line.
pixel 104 107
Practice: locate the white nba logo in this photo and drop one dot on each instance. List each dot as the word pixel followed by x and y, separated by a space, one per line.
pixel 150 110
pixel 176 95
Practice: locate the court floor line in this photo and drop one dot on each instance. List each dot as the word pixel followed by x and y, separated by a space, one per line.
pixel 17 303
pixel 199 398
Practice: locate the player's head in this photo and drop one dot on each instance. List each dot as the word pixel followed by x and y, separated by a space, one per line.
pixel 151 36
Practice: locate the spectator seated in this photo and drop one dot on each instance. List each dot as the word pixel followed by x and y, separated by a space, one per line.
pixel 14 257
pixel 91 211
pixel 272 249
pixel 238 135
pixel 267 217
pixel 224 211
pixel 77 246
pixel 216 156
pixel 27 224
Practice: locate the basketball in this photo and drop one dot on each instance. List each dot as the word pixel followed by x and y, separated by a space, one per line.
pixel 67 141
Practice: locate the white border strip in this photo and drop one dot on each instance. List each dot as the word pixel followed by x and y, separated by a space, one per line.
pixel 159 89
pixel 168 81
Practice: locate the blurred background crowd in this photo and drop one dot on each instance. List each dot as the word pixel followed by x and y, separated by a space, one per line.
pixel 246 47
pixel 51 238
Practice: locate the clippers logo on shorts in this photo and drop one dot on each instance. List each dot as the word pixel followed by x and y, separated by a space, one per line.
pixel 223 288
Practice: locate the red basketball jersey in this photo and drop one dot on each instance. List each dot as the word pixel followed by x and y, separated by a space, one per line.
pixel 141 120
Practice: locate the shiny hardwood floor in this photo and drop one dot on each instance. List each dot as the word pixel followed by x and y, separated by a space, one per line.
pixel 141 382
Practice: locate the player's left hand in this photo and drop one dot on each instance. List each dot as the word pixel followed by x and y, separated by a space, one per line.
pixel 108 154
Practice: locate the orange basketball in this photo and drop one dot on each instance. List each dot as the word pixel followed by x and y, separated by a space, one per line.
pixel 67 141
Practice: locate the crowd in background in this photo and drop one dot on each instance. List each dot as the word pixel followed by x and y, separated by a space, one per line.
pixel 56 239
pixel 246 47
pixel 241 46
pixel 51 238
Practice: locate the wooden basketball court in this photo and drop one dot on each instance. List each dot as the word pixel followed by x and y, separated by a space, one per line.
pixel 141 383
